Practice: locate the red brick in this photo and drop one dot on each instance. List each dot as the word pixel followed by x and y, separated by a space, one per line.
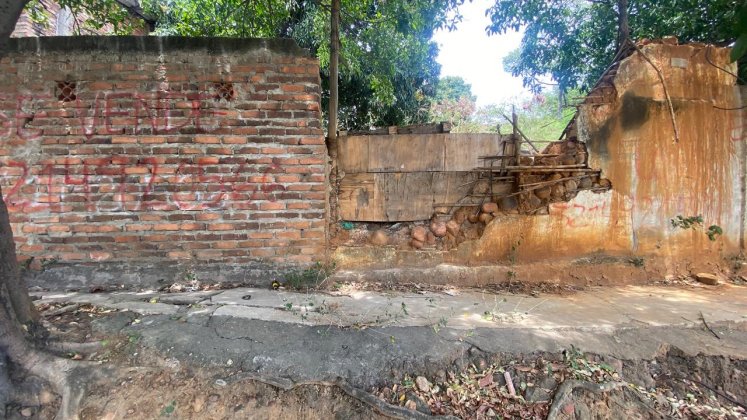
pixel 207 139
pixel 191 226
pixel 126 239
pixel 260 235
pixel 311 140
pixel 221 226
pixel 136 170
pixel 207 216
pixel 262 252
pixel 100 256
pixel 234 140
pixel 119 140
pixel 210 160
pixel 180 255
pixel 226 245
pixel 138 227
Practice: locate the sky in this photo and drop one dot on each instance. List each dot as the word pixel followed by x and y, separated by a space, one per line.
pixel 478 58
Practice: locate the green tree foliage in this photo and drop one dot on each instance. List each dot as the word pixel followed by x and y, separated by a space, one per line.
pixel 455 103
pixel 89 16
pixel 459 112
pixel 541 117
pixel 454 88
pixel 388 68
pixel 740 46
pixel 227 18
pixel 573 41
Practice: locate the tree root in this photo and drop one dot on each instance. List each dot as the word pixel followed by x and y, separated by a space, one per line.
pixel 565 390
pixel 69 379
pixel 59 311
pixel 64 347
pixel 6 389
pixel 381 407
pixel 33 392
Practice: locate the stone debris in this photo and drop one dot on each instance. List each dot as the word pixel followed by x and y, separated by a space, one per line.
pixel 198 403
pixel 707 278
pixel 423 384
pixel 379 238
pixel 438 228
pixel 419 234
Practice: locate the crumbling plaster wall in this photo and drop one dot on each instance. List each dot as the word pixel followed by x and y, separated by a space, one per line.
pixel 654 178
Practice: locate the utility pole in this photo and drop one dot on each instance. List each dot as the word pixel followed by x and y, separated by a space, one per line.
pixel 334 58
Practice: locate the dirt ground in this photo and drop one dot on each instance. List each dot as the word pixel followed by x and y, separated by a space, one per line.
pixel 152 385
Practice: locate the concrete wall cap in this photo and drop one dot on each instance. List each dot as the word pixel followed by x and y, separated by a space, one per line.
pixel 154 44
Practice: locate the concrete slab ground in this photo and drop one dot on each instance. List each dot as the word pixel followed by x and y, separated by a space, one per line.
pixel 367 337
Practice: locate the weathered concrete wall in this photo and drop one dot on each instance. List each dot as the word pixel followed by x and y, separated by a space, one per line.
pixel 654 178
pixel 150 150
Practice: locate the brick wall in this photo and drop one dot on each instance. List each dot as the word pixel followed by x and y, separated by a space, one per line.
pixel 163 149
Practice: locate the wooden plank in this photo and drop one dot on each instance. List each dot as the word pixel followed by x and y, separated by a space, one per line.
pixel 353 154
pixel 416 152
pixel 463 151
pixel 406 153
pixel 358 198
pixel 430 128
pixel 374 131
pixel 407 195
pixel 433 128
pixel 399 197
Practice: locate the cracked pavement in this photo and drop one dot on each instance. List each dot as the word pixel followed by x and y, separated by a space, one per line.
pixel 369 337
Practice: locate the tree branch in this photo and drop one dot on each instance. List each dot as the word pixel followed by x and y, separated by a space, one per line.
pixel 666 91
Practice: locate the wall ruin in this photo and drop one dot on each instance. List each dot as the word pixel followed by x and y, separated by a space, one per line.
pixel 654 177
pixel 121 156
pixel 628 135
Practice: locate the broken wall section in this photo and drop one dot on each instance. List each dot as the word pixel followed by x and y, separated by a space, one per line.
pixel 654 177
pixel 641 179
pixel 435 190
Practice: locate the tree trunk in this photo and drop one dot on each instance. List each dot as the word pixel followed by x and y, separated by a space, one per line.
pixel 20 307
pixel 10 11
pixel 623 29
pixel 334 54
pixel 17 313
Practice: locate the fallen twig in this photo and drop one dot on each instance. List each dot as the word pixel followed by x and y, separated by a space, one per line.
pixel 715 391
pixel 666 91
pixel 509 383
pixel 702 318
